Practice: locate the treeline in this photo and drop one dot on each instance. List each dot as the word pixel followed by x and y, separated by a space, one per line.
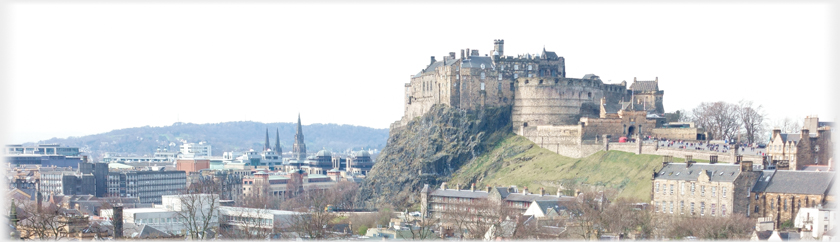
pixel 228 136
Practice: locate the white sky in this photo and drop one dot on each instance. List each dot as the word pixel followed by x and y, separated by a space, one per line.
pixel 79 69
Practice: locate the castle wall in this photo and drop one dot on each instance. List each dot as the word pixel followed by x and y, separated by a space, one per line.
pixel 558 101
pixel 676 133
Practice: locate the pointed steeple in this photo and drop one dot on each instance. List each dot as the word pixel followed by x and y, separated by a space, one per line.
pixel 267 145
pixel 277 143
pixel 299 148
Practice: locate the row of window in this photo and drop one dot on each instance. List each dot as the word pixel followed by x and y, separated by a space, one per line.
pixel 668 189
pixel 668 207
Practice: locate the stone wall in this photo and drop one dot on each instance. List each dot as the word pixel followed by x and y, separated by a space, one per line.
pixel 559 101
pixel 689 134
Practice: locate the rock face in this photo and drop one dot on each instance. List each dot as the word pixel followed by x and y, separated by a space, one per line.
pixel 428 150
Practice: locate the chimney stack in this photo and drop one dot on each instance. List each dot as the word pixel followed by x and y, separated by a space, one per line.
pixel 452 55
pixel 472 187
pixel 433 60
pixel 458 188
pixel 688 163
pixel 525 190
pixel 118 222
pixel 577 192
pixel 559 192
pixel 489 188
pixel 746 166
pixel 776 132
pixel 443 186
pixel 804 134
pixel 462 54
pixel 542 191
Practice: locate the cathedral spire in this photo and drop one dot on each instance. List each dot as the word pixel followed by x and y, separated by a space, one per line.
pixel 267 145
pixel 277 143
pixel 299 148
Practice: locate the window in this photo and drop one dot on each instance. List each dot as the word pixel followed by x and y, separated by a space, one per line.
pixel 723 210
pixel 482 76
pixel 702 191
pixel 482 86
pixel 657 206
pixel 672 189
pixel 682 188
pixel 723 191
pixel 713 191
pixel 672 206
pixel 785 205
pixel 682 207
pixel 657 187
pixel 529 67
pixel 516 67
pixel 500 77
pixel 756 197
pixel 692 208
pixel 713 209
pixel 692 188
pixel 511 86
pixel 702 208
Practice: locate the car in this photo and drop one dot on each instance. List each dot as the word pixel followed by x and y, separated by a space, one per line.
pixel 762 146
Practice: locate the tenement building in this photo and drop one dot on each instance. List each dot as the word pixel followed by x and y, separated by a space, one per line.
pixel 692 189
pixel 812 146
pixel 779 194
pixel 445 203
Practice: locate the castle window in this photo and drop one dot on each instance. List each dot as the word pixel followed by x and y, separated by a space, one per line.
pixel 458 77
pixel 525 124
pixel 511 86
pixel 482 66
pixel 569 83
pixel 482 86
pixel 556 81
pixel 515 75
pixel 502 67
pixel 590 95
pixel 526 81
pixel 500 77
pixel 529 67
pixel 541 81
pixel 516 67
pixel 482 76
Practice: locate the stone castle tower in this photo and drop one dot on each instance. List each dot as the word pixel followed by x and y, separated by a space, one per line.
pixel 299 148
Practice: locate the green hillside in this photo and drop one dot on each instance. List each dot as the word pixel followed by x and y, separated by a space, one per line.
pixel 517 161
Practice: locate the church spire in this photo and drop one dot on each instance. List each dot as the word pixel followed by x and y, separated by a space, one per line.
pixel 299 148
pixel 277 143
pixel 267 145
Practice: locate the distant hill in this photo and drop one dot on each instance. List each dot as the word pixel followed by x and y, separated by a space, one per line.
pixel 228 136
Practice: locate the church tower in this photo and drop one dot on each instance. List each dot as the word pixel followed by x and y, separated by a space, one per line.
pixel 299 149
pixel 277 143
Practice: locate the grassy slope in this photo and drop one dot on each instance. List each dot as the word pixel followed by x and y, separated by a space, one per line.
pixel 517 161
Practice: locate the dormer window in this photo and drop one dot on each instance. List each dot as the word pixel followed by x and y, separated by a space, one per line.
pixel 482 66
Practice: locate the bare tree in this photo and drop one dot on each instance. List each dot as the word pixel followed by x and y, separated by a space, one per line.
pixel 314 221
pixel 245 223
pixel 45 223
pixel 198 209
pixel 788 125
pixel 720 119
pixel 752 119
pixel 418 229
pixel 735 226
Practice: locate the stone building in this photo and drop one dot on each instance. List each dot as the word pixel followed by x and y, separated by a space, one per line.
pixel 359 163
pixel 692 189
pixel 812 146
pixel 277 184
pixel 439 202
pixel 299 148
pixel 779 194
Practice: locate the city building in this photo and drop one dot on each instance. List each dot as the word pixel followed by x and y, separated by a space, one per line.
pixel 192 164
pixel 359 163
pixel 283 184
pixel 817 220
pixel 811 147
pixel 43 149
pixel 779 194
pixel 711 190
pixel 299 147
pixel 439 202
pixel 201 149
pixel 148 185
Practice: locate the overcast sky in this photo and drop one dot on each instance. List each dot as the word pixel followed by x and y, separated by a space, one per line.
pixel 80 69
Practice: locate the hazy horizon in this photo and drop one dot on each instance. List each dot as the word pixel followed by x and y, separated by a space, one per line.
pixel 87 68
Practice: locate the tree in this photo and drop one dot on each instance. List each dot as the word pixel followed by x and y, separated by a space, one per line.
pixel 587 215
pixel 247 224
pixel 45 223
pixel 720 119
pixel 418 229
pixel 752 119
pixel 198 208
pixel 314 221
pixel 788 125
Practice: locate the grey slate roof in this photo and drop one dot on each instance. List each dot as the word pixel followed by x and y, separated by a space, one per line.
pixel 590 77
pixel 800 182
pixel 763 180
pixel 716 172
pixel 790 137
pixel 644 86
pixel 519 197
pixel 547 205
pixel 549 54
pixel 627 106
pixel 476 61
pixel 503 191
pixel 460 193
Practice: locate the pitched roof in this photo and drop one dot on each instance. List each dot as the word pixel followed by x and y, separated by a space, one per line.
pixel 459 193
pixel 535 197
pixel 549 54
pixel 612 107
pixel 476 61
pixel 546 205
pixel 716 172
pixel 800 182
pixel 790 137
pixel 644 86
pixel 763 180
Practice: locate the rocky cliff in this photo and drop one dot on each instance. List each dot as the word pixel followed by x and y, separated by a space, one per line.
pixel 428 150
